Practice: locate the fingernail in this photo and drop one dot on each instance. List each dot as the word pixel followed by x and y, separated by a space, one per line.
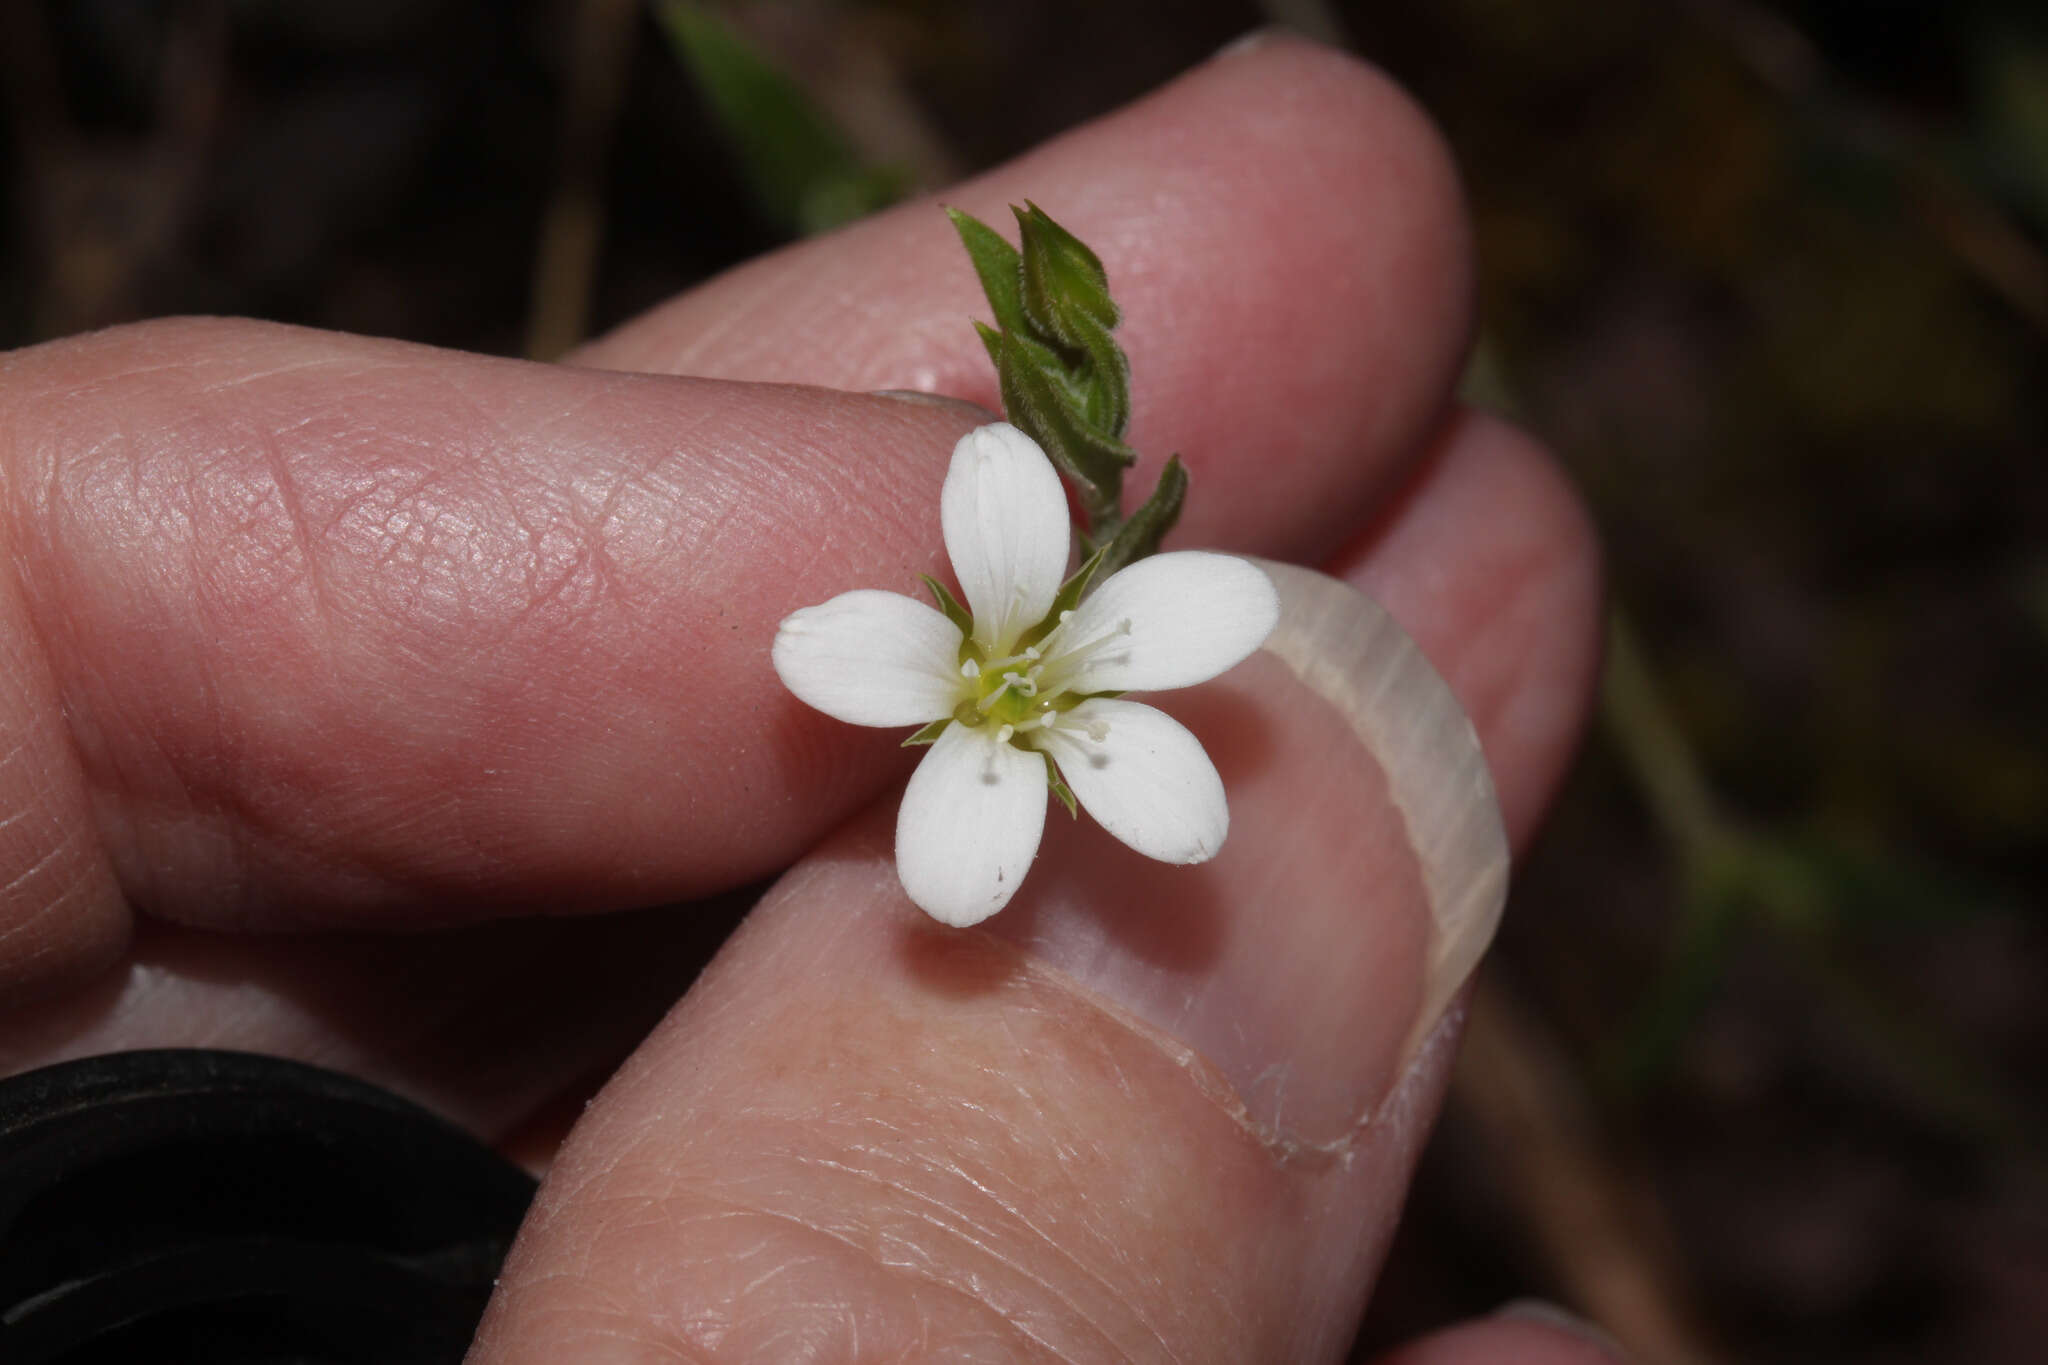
pixel 1548 1314
pixel 1362 877
pixel 1247 42
pixel 919 398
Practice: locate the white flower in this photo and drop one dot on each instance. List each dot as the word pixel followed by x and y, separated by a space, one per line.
pixel 1023 690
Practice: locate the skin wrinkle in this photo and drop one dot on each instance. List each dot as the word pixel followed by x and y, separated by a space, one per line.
pixel 629 1330
pixel 304 536
pixel 990 1236
pixel 729 1208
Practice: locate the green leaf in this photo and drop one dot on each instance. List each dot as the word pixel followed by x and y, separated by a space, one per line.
pixel 1140 536
pixel 1066 290
pixel 1000 267
pixel 950 605
pixel 1058 784
pixel 928 734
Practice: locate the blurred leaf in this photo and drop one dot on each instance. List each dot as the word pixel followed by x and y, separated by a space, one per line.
pixel 1814 883
pixel 1665 1018
pixel 2012 75
pixel 802 168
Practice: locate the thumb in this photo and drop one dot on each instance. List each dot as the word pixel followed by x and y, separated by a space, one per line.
pixel 1147 1113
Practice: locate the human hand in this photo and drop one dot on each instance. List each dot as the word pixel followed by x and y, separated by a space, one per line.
pixel 317 632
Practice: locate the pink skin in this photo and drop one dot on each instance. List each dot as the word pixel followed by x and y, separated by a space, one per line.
pixel 316 632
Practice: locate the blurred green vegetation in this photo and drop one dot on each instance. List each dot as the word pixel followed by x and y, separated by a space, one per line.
pixel 801 167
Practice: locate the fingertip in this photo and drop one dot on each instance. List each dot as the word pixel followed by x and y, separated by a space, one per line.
pixel 1516 626
pixel 1522 1334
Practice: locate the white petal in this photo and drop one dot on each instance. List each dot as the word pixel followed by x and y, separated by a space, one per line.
pixel 871 658
pixel 969 825
pixel 1004 514
pixel 1192 615
pixel 1146 780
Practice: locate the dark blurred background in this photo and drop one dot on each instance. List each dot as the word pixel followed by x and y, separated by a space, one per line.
pixel 1754 1072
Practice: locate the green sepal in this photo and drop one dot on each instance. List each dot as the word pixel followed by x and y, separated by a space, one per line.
pixel 1105 384
pixel 1000 267
pixel 1033 399
pixel 1140 536
pixel 950 605
pixel 928 734
pixel 1066 296
pixel 1065 289
pixel 1058 784
pixel 992 342
pixel 1068 598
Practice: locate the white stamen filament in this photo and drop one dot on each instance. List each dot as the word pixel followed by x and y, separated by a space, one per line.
pixel 1066 659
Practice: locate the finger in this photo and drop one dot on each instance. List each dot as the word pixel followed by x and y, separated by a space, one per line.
pixel 345 632
pixel 1282 228
pixel 1115 1128
pixel 1515 1338
pixel 1521 645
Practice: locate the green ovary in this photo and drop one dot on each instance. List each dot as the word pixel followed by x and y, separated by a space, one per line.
pixel 989 698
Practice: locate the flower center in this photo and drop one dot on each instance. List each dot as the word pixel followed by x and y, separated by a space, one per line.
pixel 1028 690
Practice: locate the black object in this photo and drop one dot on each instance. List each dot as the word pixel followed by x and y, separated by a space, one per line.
pixel 231 1209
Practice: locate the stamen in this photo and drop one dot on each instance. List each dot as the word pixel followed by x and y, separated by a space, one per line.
pixel 970 669
pixel 1067 659
pixel 1003 735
